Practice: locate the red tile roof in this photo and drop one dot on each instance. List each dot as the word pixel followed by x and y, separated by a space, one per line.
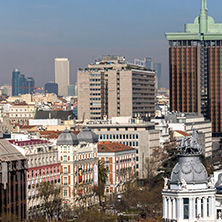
pixel 112 147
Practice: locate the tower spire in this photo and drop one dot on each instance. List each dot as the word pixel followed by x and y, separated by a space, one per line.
pixel 203 17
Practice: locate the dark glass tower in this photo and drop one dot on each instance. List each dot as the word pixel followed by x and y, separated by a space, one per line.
pixel 51 87
pixel 15 84
pixel 195 58
pixel 21 85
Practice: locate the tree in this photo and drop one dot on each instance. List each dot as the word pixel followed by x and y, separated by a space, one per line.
pixel 170 161
pixel 102 176
pixel 153 163
pixel 51 200
pixel 94 214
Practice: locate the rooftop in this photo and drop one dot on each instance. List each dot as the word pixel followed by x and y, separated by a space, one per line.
pixel 9 152
pixel 113 147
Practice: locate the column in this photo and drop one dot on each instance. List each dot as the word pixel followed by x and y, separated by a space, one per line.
pixel 199 207
pixel 205 207
pixel 164 207
pixel 180 208
pixel 174 208
pixel 191 208
pixel 170 208
pixel 212 207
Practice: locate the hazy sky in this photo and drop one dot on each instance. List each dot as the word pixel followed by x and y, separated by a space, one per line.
pixel 34 32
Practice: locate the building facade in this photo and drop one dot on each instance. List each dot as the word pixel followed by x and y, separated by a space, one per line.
pixel 120 160
pixel 79 171
pixel 185 122
pixel 131 132
pixel 195 68
pixel 20 113
pixel 43 166
pixel 112 87
pixel 62 75
pixel 12 181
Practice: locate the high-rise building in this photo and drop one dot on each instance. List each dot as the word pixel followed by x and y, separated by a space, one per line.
pixel 51 87
pixel 30 85
pixel 62 76
pixel 158 70
pixel 196 68
pixel 113 87
pixel 148 62
pixel 20 84
pixel 71 90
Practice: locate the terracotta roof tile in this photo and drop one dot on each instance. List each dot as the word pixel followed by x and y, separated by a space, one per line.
pixel 112 147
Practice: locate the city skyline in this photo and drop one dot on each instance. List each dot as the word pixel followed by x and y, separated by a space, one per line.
pixel 74 30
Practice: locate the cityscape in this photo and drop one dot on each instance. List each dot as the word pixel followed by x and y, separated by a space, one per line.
pixel 120 137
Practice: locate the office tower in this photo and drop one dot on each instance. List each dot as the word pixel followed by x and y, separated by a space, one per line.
pixel 30 85
pixel 51 87
pixel 62 75
pixel 112 87
pixel 148 62
pixel 21 85
pixel 15 87
pixel 158 70
pixel 71 90
pixel 196 68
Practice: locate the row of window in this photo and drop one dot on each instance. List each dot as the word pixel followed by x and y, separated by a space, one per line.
pixel 118 136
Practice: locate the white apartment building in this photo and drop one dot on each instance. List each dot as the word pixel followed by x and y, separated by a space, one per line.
pixel 131 132
pixel 20 113
pixel 186 122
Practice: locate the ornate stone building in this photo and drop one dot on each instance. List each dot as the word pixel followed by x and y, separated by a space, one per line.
pixel 79 172
pixel 191 195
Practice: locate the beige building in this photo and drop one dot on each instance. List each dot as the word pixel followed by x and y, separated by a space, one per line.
pixel 113 87
pixel 20 113
pixel 131 132
pixel 62 75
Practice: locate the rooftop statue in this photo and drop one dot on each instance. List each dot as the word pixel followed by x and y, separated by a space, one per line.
pixel 189 145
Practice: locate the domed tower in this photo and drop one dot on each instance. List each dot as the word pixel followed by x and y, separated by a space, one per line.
pixel 191 195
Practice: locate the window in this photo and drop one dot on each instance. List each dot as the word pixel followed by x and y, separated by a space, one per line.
pixel 65 181
pixel 65 193
pixel 65 158
pixel 208 208
pixel 202 207
pixel 185 208
pixel 65 170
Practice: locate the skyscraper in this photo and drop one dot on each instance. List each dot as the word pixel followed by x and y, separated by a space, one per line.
pixel 62 76
pixel 158 70
pixel 196 68
pixel 21 85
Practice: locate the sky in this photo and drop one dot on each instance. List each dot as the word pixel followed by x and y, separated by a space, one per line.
pixel 35 32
